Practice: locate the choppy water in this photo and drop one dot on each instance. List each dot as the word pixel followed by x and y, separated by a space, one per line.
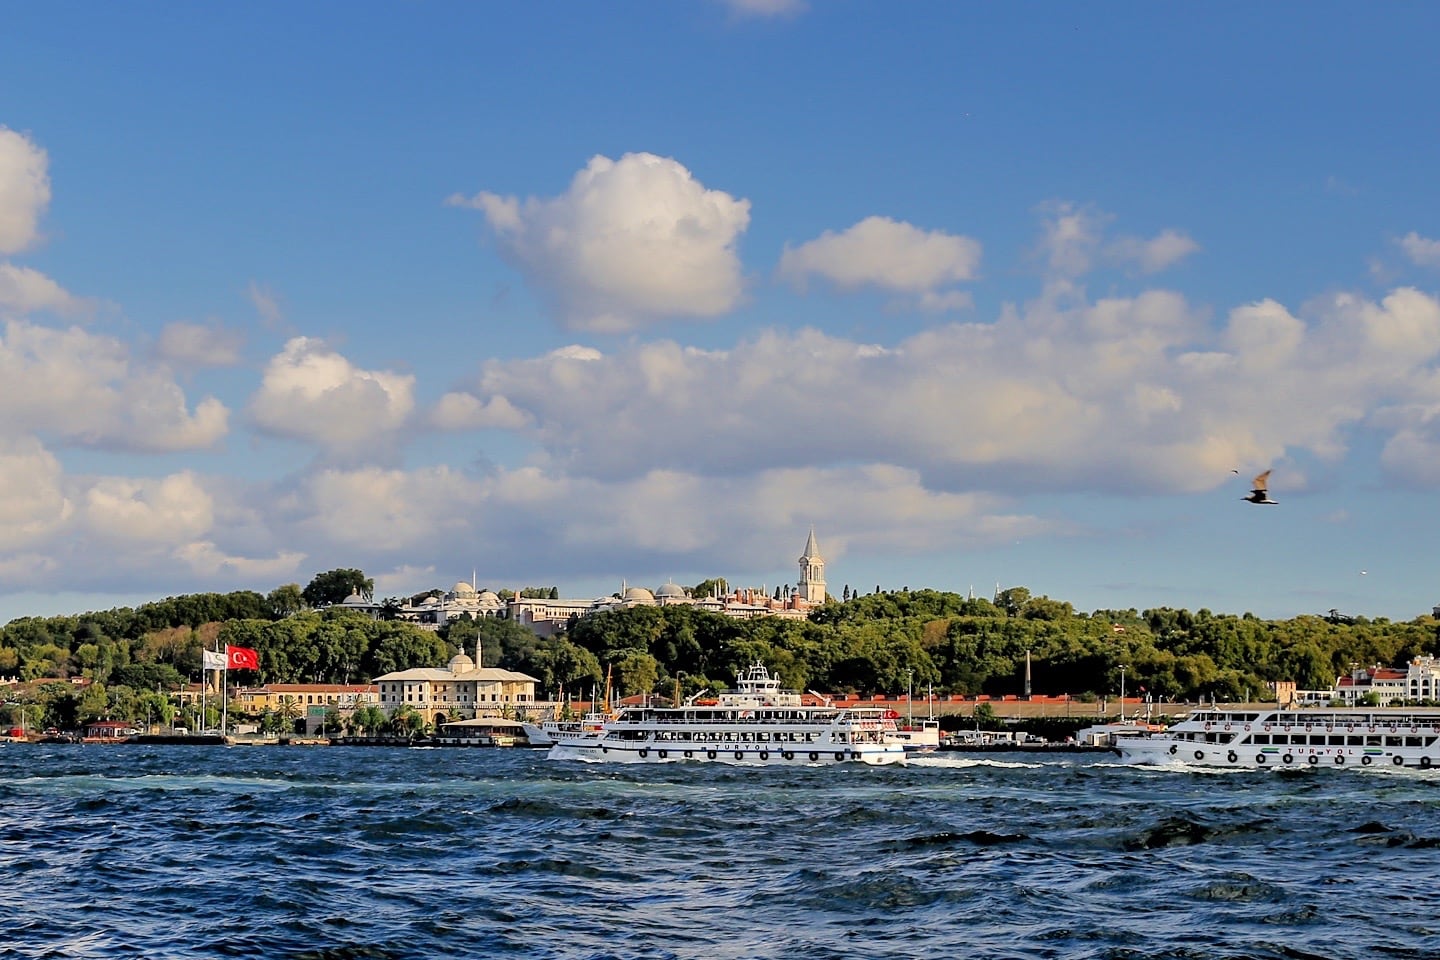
pixel 313 852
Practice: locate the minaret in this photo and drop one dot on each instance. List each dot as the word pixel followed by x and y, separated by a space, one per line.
pixel 812 572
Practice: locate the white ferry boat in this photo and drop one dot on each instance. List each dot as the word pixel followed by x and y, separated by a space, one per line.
pixel 1304 737
pixel 919 736
pixel 549 732
pixel 756 723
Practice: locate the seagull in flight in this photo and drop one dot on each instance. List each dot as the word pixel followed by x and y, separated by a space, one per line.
pixel 1260 493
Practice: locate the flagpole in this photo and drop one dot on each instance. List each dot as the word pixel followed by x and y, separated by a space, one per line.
pixel 225 699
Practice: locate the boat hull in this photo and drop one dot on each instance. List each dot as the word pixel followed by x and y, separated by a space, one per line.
pixel 1274 739
pixel 598 751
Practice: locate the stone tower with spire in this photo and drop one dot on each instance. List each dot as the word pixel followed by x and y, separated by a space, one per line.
pixel 812 572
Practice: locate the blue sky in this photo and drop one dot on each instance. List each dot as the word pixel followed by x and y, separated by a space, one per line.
pixel 572 294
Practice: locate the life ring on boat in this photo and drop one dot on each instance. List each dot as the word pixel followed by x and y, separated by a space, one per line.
pixel 739 754
pixel 1207 724
pixel 1231 756
pixel 710 754
pixel 1314 759
pixel 1424 763
pixel 1260 759
pixel 1399 761
pixel 689 754
pixel 788 755
pixel 1365 761
pixel 1247 728
pixel 1339 759
pixel 644 753
pixel 1414 729
pixel 1308 726
pixel 839 755
pixel 1174 749
pixel 814 756
pixel 764 754
pixel 604 749
pixel 1372 729
pixel 1288 758
pixel 663 754
pixel 1199 754
pixel 1227 726
pixel 1265 726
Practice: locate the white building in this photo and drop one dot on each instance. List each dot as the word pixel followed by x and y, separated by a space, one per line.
pixel 1419 680
pixel 460 689
pixel 549 617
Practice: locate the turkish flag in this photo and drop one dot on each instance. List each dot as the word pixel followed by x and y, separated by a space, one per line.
pixel 242 658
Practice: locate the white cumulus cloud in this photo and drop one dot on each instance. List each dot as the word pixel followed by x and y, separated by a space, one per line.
pixel 1073 242
pixel 23 290
pixel 168 510
pixel 632 242
pixel 884 253
pixel 87 390
pixel 1036 399
pixel 35 505
pixel 24 190
pixel 1422 251
pixel 311 393
pixel 459 410
pixel 205 558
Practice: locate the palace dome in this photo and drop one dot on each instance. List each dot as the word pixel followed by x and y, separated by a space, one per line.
pixel 671 590
pixel 638 595
pixel 463 589
pixel 460 663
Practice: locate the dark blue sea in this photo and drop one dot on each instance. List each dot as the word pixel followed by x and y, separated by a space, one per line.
pixel 321 853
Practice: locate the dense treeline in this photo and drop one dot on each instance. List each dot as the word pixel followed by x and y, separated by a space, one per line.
pixel 876 643
pixel 882 641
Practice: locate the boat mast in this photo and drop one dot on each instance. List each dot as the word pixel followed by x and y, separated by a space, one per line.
pixel 909 700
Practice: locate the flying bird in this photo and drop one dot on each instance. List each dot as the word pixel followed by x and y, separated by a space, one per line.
pixel 1260 494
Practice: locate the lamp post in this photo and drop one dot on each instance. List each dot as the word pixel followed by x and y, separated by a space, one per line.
pixel 909 700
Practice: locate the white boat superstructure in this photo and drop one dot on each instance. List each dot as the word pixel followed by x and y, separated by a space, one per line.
pixel 919 736
pixel 547 733
pixel 756 723
pixel 1304 737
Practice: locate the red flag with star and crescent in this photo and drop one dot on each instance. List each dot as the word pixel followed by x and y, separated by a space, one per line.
pixel 242 658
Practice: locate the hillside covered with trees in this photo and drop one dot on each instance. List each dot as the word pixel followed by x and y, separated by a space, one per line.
pixel 874 643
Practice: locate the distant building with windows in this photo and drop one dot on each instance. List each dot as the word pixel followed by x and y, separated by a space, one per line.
pixel 302 697
pixel 1417 680
pixel 459 690
pixel 548 617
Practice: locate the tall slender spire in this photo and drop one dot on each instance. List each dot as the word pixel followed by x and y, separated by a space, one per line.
pixel 812 572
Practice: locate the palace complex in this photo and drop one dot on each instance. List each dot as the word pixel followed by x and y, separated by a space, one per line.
pixel 548 617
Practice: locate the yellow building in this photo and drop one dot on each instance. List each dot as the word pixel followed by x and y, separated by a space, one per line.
pixel 299 698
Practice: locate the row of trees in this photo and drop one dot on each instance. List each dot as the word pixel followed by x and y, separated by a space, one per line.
pixel 877 643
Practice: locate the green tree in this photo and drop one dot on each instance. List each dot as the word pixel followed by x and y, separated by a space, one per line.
pixel 333 586
pixel 286 600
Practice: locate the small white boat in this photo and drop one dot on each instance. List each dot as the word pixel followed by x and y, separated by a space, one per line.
pixel 1304 737
pixel 919 736
pixel 756 723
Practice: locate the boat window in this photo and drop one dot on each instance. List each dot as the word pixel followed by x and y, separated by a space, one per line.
pixel 1355 741
pixel 1374 741
pixel 1260 738
pixel 1317 740
pixel 1414 741
pixel 1337 741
